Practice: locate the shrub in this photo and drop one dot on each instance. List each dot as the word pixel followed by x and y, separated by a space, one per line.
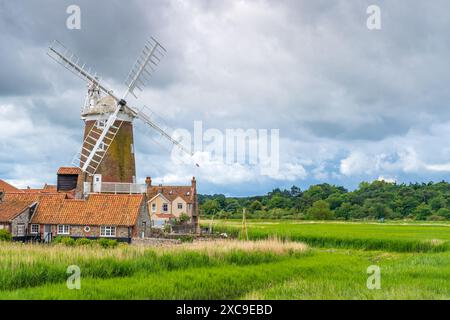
pixel 68 241
pixel 5 235
pixel 186 238
pixel 435 217
pixel 83 242
pixel 57 240
pixel 107 243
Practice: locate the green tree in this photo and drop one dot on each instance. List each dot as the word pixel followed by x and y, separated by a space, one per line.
pixel 210 207
pixel 232 205
pixel 320 210
pixel 344 211
pixel 422 211
pixel 438 202
pixel 444 212
pixel 255 206
pixel 277 201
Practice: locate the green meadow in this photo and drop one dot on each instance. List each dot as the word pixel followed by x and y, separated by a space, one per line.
pixel 281 260
pixel 397 237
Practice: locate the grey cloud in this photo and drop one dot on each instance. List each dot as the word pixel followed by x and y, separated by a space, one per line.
pixel 309 68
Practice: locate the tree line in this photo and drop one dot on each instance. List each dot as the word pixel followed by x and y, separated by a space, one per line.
pixel 377 200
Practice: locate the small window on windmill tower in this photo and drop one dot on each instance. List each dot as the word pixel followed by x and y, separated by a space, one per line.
pixel 100 124
pixel 102 146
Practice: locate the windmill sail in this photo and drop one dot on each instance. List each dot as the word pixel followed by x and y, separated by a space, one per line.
pixel 98 140
pixel 144 66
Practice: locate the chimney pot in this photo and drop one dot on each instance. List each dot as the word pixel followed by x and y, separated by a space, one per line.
pixel 148 181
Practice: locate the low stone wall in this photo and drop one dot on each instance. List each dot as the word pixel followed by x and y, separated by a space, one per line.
pixel 154 242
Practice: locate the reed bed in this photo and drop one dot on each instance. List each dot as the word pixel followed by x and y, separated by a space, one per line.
pixel 27 265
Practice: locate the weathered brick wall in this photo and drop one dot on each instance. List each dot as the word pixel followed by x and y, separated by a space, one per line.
pixel 118 165
pixel 79 232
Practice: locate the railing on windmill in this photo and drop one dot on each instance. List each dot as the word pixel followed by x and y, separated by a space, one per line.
pixel 115 188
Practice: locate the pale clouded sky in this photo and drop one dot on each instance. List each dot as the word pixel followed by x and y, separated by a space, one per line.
pixel 351 104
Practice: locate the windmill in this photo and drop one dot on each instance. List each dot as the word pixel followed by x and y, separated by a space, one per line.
pixel 108 150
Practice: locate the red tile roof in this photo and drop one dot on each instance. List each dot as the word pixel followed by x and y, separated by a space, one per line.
pixel 14 204
pixel 98 209
pixel 69 170
pixel 50 187
pixel 6 187
pixel 172 192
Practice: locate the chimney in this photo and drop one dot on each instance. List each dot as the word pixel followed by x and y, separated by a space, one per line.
pixel 193 188
pixel 148 185
pixel 194 184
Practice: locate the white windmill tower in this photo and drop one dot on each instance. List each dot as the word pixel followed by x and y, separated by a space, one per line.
pixel 107 151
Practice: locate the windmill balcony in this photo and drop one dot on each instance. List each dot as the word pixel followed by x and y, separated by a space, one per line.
pixel 116 188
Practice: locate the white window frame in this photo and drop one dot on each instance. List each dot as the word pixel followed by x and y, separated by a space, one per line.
pixel 107 231
pixel 63 229
pixel 100 124
pixel 165 204
pixel 32 231
pixel 153 207
pixel 180 205
pixel 21 227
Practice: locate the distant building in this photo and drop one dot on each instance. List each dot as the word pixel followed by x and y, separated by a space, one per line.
pixel 168 203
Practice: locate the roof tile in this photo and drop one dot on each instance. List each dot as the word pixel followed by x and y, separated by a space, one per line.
pixel 98 209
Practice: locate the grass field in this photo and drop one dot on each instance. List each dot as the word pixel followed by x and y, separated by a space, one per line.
pixel 369 236
pixel 232 269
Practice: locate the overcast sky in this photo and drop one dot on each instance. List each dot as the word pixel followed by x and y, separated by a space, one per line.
pixel 351 103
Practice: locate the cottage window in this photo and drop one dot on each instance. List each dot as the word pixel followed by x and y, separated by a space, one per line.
pixel 180 205
pixel 153 207
pixel 34 228
pixel 20 230
pixel 2 227
pixel 165 207
pixel 107 231
pixel 63 229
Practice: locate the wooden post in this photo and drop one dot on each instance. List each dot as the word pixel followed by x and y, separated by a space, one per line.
pixel 244 225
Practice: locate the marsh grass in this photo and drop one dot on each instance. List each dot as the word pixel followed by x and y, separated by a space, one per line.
pixel 32 265
pixel 320 274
